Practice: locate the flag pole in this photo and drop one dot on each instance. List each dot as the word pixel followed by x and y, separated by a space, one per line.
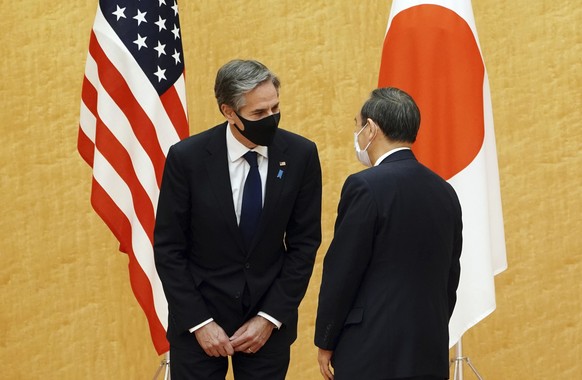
pixel 459 359
pixel 164 365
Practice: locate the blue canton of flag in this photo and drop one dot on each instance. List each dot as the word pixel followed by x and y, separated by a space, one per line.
pixel 156 46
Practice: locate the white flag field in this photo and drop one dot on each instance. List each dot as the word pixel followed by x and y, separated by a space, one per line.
pixel 431 50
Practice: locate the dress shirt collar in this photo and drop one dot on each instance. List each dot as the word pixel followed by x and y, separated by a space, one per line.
pixel 236 150
pixel 382 157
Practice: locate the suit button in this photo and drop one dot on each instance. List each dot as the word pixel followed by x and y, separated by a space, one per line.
pixel 237 295
pixel 247 266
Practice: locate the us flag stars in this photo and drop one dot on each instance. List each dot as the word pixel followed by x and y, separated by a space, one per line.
pixel 156 46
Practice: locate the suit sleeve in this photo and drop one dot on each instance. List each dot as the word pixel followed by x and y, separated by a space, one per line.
pixel 346 260
pixel 302 239
pixel 171 247
pixel 455 269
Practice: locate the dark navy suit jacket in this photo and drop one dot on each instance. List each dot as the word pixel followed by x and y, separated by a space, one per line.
pixel 391 273
pixel 199 251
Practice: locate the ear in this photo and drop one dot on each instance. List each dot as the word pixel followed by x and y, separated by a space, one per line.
pixel 374 128
pixel 228 112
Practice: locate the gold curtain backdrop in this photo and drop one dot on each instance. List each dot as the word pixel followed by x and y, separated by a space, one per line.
pixel 67 310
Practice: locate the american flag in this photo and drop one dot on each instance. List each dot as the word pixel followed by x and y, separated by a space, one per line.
pixel 133 109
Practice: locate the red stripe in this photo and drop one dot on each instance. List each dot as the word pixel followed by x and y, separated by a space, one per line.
pixel 175 111
pixel 89 96
pixel 116 86
pixel 85 145
pixel 119 224
pixel 140 284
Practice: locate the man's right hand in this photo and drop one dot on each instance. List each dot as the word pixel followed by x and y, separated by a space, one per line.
pixel 214 340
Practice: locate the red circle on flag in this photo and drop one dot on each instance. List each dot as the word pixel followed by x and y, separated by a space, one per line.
pixel 431 53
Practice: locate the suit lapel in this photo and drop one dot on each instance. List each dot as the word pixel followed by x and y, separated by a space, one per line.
pixel 218 174
pixel 275 182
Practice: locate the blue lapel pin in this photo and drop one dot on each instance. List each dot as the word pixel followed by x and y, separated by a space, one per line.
pixel 280 172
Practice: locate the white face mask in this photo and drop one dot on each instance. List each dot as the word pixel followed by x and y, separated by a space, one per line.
pixel 362 155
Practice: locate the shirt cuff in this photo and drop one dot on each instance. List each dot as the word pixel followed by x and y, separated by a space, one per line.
pixel 270 319
pixel 201 325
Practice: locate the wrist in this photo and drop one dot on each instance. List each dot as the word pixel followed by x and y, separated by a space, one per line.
pixel 266 322
pixel 269 318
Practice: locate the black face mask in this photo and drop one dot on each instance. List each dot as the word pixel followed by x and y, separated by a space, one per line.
pixel 260 132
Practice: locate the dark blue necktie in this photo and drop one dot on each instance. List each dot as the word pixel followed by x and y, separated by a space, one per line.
pixel 252 202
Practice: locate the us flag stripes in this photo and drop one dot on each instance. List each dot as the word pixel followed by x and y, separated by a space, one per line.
pixel 133 109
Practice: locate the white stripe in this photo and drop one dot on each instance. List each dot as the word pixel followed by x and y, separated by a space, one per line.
pixel 180 86
pixel 142 248
pixel 87 122
pixel 137 81
pixel 116 122
pixel 181 89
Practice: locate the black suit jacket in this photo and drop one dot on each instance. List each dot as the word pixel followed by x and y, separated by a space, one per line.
pixel 199 251
pixel 391 273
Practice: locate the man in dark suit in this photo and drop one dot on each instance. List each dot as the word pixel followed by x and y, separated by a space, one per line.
pixel 237 233
pixel 391 272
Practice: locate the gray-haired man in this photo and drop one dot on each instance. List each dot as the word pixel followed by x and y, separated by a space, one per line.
pixel 234 278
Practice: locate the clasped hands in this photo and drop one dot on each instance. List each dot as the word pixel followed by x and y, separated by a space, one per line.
pixel 249 338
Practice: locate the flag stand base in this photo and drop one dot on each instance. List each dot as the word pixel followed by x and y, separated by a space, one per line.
pixel 459 359
pixel 165 367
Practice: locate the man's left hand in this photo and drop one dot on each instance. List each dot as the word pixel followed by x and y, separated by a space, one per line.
pixel 252 335
pixel 325 367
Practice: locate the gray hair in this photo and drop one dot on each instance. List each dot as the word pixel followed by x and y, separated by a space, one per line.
pixel 238 77
pixel 395 112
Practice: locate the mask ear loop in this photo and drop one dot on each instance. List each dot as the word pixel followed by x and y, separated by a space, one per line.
pixel 361 129
pixel 374 129
pixel 228 112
